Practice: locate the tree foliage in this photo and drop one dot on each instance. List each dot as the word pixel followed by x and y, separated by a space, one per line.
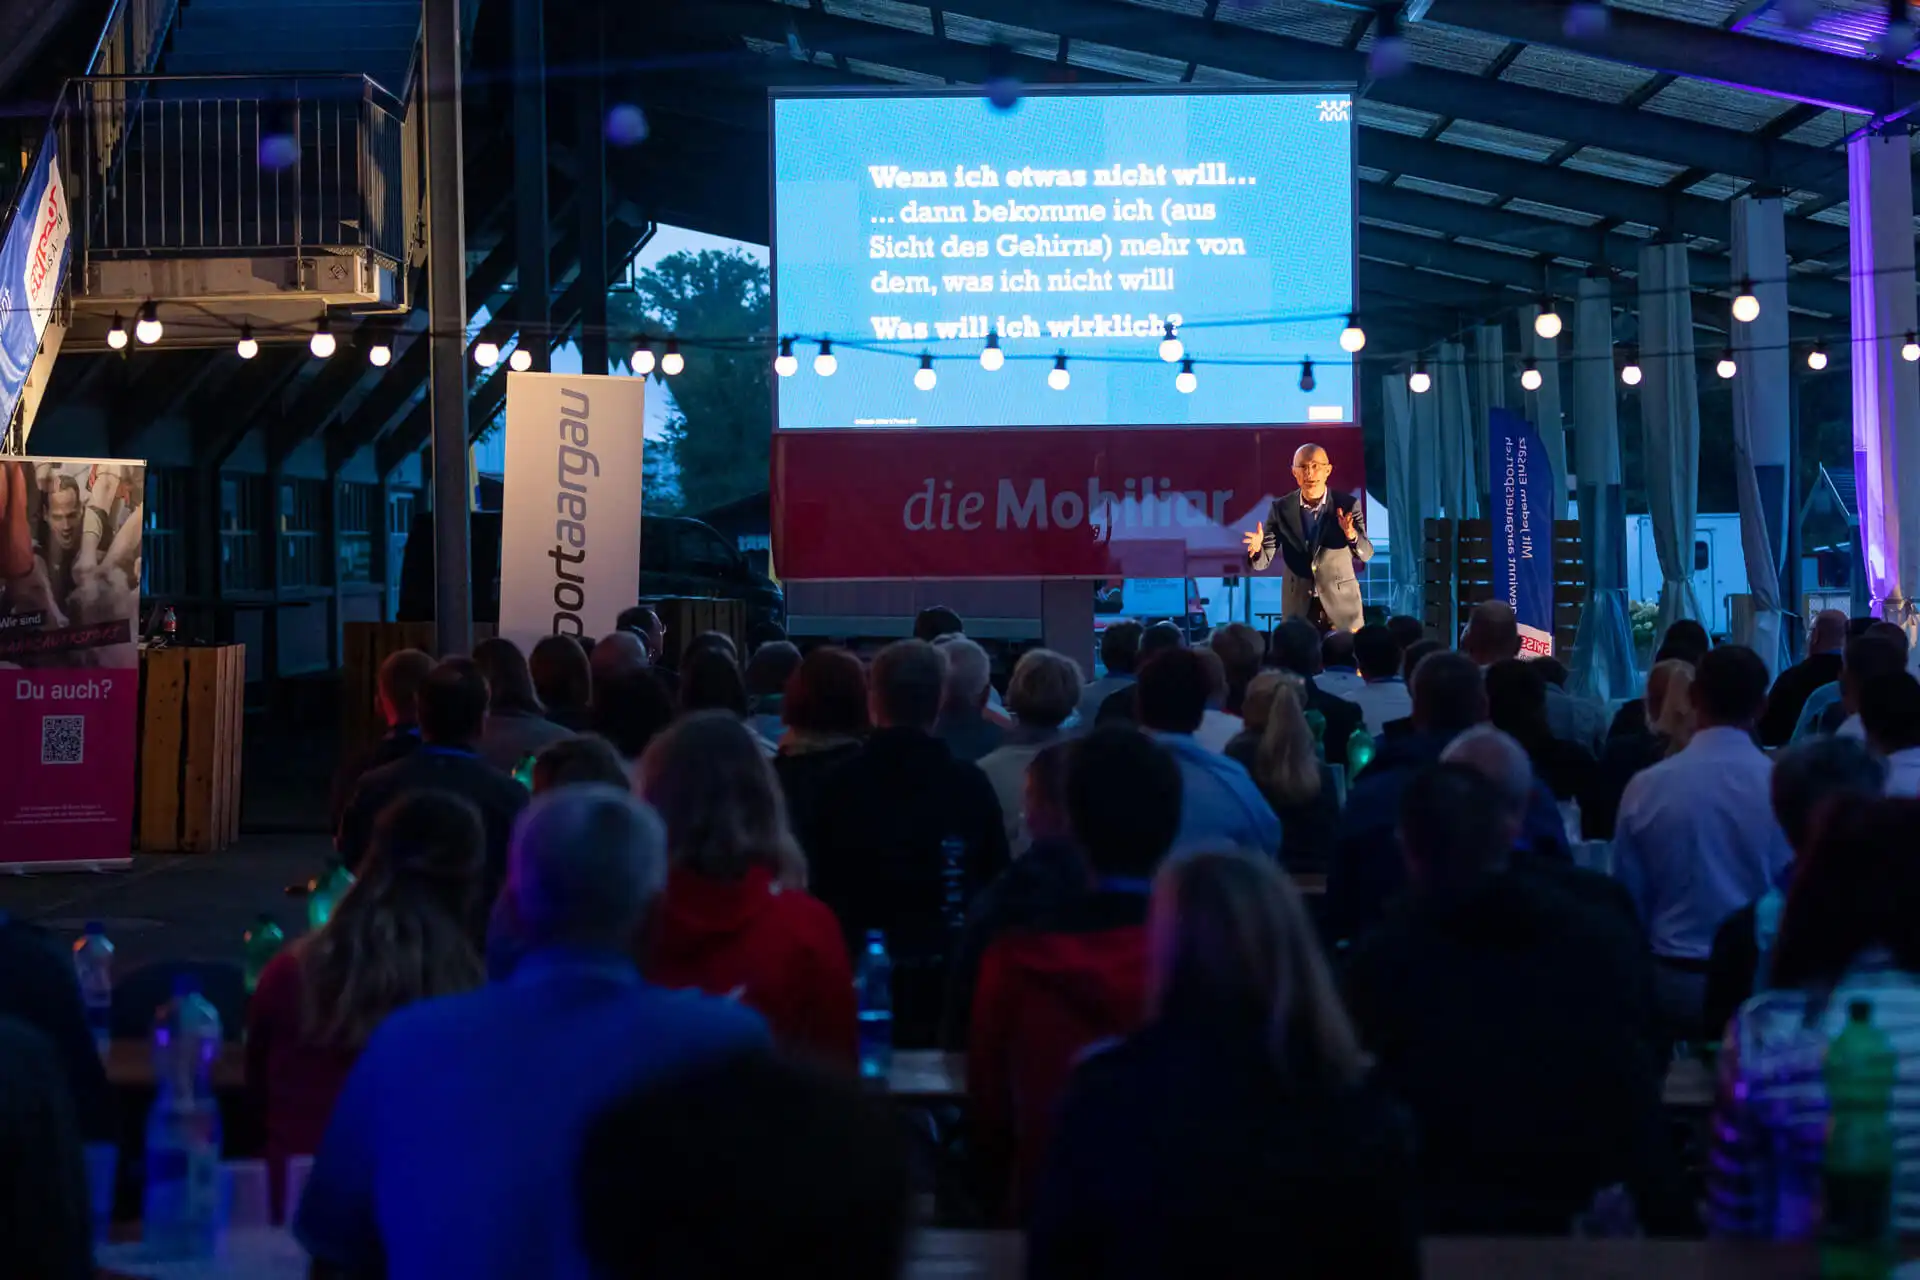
pixel 716 445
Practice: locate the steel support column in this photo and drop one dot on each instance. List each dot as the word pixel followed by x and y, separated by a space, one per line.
pixel 530 229
pixel 447 311
pixel 590 201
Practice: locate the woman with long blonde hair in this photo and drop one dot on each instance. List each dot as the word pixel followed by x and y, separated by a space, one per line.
pixel 1670 704
pixel 736 919
pixel 1242 1112
pixel 1278 750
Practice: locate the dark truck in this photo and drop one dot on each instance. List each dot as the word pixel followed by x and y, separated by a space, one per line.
pixel 678 557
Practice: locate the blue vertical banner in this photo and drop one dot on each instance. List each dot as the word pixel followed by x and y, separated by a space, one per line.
pixel 1523 483
pixel 33 267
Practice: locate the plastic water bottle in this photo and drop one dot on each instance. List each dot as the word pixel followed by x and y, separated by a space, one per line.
pixel 875 991
pixel 93 965
pixel 324 891
pixel 259 944
pixel 1359 752
pixel 182 1209
pixel 1857 1230
pixel 1317 724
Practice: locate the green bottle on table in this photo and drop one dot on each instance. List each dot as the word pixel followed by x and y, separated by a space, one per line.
pixel 1359 752
pixel 324 891
pixel 1317 723
pixel 259 944
pixel 1857 1240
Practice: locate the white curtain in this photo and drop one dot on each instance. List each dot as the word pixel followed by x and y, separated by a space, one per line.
pixel 1543 406
pixel 1670 423
pixel 1490 383
pixel 1603 665
pixel 1405 516
pixel 1458 492
pixel 1761 388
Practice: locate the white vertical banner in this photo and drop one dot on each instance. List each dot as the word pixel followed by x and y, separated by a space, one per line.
pixel 570 505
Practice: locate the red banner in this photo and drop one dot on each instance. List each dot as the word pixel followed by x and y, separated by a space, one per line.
pixel 1132 502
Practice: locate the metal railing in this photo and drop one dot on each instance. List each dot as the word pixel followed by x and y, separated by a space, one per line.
pixel 236 164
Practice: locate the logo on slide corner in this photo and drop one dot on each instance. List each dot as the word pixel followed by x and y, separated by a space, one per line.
pixel 1335 110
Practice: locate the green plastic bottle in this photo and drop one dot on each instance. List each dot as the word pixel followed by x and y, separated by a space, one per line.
pixel 1359 752
pixel 1317 722
pixel 259 944
pixel 1857 1240
pixel 324 891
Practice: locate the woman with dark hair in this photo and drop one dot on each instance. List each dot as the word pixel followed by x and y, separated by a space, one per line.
pixel 1517 706
pixel 1236 1133
pixel 630 707
pixel 736 919
pixel 825 710
pixel 517 724
pixel 710 680
pixel 403 932
pixel 563 680
pixel 1849 945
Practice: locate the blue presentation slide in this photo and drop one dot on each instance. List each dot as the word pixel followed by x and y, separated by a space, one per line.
pixel 1076 224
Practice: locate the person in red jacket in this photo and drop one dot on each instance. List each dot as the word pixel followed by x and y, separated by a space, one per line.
pixel 1079 976
pixel 736 919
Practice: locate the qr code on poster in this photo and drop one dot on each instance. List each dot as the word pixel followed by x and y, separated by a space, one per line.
pixel 63 739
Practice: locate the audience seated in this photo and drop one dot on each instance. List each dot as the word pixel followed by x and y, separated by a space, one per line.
pixel 38 988
pixel 1078 975
pixel 1685 641
pixel 1119 654
pixel 1826 642
pixel 644 625
pixel 1119 706
pixel 736 919
pixel 1491 634
pixel 710 680
pixel 1339 672
pixel 1296 648
pixel 1694 843
pixel 1241 651
pixel 935 621
pixel 1043 693
pixel 1382 696
pixel 1809 779
pixel 1236 1134
pixel 563 679
pixel 1890 715
pixel 630 704
pixel 1517 705
pixel 1220 805
pixel 1850 934
pixel 768 671
pixel 963 723
pixel 405 931
pixel 1406 631
pixel 747 1167
pixel 1218 727
pixel 825 712
pixel 46 1225
pixel 903 836
pixel 454 1147
pixel 453 715
pixel 1572 718
pixel 1493 1009
pixel 398 692
pixel 1667 729
pixel 586 757
pixel 517 725
pixel 1879 650
pixel 1277 751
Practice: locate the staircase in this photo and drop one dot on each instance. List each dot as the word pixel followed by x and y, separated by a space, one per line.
pixel 347 38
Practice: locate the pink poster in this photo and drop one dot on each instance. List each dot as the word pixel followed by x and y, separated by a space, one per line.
pixel 69 660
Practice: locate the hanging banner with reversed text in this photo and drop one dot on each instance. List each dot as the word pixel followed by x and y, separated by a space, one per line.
pixel 33 265
pixel 69 659
pixel 1127 502
pixel 570 504
pixel 1522 557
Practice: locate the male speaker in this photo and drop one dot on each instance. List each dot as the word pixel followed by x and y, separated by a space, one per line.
pixel 1320 535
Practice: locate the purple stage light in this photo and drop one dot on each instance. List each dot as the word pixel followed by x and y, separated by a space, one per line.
pixel 626 125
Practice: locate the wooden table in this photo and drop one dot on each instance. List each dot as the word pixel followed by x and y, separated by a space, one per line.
pixel 130 1065
pixel 928 1075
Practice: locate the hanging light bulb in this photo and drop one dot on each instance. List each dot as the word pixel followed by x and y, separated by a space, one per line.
pixel 1530 375
pixel 486 354
pixel 1727 367
pixel 1746 307
pixel 924 377
pixel 521 360
pixel 784 364
pixel 1058 377
pixel 246 348
pixel 149 329
pixel 322 344
pixel 991 356
pixel 1307 382
pixel 1910 349
pixel 671 361
pixel 1817 358
pixel 1630 371
pixel 1353 338
pixel 1420 381
pixel 1547 323
pixel 380 354
pixel 1171 348
pixel 1185 382
pixel 642 361
pixel 825 363
pixel 117 335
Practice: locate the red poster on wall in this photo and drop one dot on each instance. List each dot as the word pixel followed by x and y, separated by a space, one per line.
pixel 1134 502
pixel 69 660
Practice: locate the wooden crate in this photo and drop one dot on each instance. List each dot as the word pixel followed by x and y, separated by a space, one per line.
pixel 192 713
pixel 366 646
pixel 688 616
pixel 1459 575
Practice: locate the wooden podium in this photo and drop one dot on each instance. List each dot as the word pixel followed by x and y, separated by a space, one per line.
pixel 192 711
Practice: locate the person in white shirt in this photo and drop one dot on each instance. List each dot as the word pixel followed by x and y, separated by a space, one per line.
pixel 1696 838
pixel 1382 695
pixel 1339 673
pixel 1890 715
pixel 1219 726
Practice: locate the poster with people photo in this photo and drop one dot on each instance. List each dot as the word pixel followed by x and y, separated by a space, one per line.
pixel 69 658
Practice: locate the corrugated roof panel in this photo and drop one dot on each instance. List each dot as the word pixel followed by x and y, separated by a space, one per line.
pixel 879 71
pixel 1424 232
pixel 1706 13
pixel 1449 47
pixel 1380 115
pixel 1638 230
pixel 1504 142
pixel 886 13
pixel 1194 8
pixel 1615 164
pixel 1466 194
pixel 1576 74
pixel 1219 75
pixel 1037 44
pixel 1715 104
pixel 1828 129
pixel 1553 211
pixel 1849 27
pixel 1370 175
pixel 1718 186
pixel 1507 249
pixel 1833 217
pixel 1305 19
pixel 1125 62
